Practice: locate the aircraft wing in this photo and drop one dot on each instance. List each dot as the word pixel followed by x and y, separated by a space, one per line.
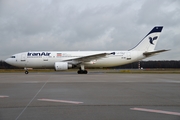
pixel 147 54
pixel 89 58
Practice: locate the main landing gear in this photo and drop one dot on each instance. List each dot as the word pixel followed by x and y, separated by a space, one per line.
pixel 82 70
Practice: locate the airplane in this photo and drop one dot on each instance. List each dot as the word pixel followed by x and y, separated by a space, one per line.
pixel 64 60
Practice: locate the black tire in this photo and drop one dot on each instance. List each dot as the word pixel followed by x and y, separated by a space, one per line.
pixel 82 72
pixel 26 72
pixel 85 72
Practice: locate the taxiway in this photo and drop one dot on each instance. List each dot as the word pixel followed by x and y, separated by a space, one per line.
pixel 97 96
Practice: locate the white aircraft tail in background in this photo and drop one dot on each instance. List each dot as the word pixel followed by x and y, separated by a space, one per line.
pixel 63 60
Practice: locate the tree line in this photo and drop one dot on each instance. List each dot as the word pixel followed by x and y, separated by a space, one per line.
pixel 4 65
pixel 152 64
pixel 135 65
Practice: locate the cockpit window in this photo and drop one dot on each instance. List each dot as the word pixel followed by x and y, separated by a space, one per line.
pixel 13 56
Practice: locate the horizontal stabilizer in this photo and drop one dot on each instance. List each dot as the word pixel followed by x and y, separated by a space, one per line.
pixel 147 54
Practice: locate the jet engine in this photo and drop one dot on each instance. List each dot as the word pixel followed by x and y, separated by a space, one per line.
pixel 62 65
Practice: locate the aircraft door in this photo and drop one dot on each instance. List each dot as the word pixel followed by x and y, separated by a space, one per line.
pixel 23 60
pixel 45 58
pixel 128 56
pixel 23 57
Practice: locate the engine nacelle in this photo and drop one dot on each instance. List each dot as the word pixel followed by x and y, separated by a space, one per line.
pixel 62 65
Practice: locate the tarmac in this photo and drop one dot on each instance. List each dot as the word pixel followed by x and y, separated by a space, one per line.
pixel 95 96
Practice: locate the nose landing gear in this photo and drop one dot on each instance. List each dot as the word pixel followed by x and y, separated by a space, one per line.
pixel 26 71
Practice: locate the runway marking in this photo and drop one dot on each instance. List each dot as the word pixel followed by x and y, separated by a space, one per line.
pixel 168 81
pixel 62 101
pixel 3 96
pixel 156 111
pixel 31 100
pixel 31 82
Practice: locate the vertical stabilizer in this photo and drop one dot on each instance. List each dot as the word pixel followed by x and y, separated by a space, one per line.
pixel 148 43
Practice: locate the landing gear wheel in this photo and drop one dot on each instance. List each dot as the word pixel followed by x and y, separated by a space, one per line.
pixel 85 72
pixel 82 71
pixel 26 72
pixel 79 72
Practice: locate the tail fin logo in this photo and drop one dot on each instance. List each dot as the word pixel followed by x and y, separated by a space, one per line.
pixel 152 39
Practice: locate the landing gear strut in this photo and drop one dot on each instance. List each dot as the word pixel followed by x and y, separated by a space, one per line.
pixel 82 70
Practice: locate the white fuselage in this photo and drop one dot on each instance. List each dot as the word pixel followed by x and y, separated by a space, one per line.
pixel 47 59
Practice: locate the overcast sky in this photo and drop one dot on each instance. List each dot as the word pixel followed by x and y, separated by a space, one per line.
pixel 64 25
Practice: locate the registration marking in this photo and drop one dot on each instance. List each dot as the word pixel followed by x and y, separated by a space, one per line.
pixel 61 101
pixel 156 111
pixel 3 96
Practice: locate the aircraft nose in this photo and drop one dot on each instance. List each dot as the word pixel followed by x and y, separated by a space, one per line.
pixel 7 60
